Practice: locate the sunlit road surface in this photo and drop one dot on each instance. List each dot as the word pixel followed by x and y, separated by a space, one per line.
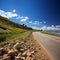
pixel 50 43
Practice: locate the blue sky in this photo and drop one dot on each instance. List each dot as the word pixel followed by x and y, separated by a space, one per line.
pixel 34 13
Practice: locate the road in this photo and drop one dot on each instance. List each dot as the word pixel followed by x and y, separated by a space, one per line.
pixel 50 43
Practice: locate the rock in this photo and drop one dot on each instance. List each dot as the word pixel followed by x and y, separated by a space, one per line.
pixel 11 45
pixel 28 58
pixel 28 47
pixel 24 53
pixel 32 58
pixel 11 52
pixel 16 46
pixel 28 54
pixel 42 58
pixel 25 48
pixel 31 43
pixel 22 58
pixel 32 52
pixel 36 51
pixel 19 54
pixel 5 57
pixel 16 52
pixel 18 58
pixel 2 51
pixel 22 50
pixel 22 42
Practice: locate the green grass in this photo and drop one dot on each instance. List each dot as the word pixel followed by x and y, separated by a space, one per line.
pixel 12 31
pixel 15 34
pixel 14 37
pixel 3 27
pixel 51 34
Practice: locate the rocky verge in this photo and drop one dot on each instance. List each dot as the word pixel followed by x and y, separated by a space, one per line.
pixel 26 50
pixel 16 51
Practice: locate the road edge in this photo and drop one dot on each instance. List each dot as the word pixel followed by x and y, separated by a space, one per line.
pixel 43 48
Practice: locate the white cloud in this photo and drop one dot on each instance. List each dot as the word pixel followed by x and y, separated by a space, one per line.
pixel 30 22
pixel 8 14
pixel 14 10
pixel 37 22
pixel 52 27
pixel 13 14
pixel 23 19
pixel 58 26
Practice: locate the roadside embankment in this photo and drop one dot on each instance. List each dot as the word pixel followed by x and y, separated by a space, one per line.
pixel 27 49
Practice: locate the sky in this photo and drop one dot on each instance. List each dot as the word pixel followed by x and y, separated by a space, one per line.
pixel 38 14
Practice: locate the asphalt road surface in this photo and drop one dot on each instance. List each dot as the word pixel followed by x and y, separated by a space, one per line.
pixel 50 43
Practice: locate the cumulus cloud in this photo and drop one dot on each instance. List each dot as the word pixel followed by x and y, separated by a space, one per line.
pixel 13 14
pixel 30 22
pixel 52 27
pixel 8 14
pixel 14 10
pixel 34 22
pixel 58 26
pixel 37 22
pixel 23 19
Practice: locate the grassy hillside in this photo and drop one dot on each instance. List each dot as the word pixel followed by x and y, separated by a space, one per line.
pixel 9 22
pixel 11 31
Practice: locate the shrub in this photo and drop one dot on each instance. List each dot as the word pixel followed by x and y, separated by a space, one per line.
pixel 2 38
pixel 3 27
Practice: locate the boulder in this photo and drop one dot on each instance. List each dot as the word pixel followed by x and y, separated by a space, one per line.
pixel 16 52
pixel 22 50
pixel 32 52
pixel 11 45
pixel 28 53
pixel 24 53
pixel 11 52
pixel 28 58
pixel 32 59
pixel 18 58
pixel 19 54
pixel 6 57
pixel 22 58
pixel 16 46
pixel 22 42
pixel 2 51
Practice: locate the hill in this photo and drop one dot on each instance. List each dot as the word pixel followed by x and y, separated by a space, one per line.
pixel 11 31
pixel 11 23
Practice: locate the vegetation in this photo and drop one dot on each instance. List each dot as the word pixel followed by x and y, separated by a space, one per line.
pixel 17 31
pixel 3 27
pixel 9 22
